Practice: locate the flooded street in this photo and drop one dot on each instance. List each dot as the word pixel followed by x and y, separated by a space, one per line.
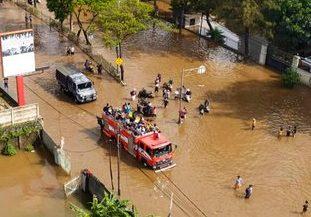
pixel 29 186
pixel 212 150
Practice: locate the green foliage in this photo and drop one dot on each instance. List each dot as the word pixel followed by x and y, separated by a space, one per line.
pixel 29 148
pixel 109 206
pixel 206 7
pixel 88 9
pixel 9 150
pixel 241 14
pixel 217 35
pixel 292 19
pixel 122 18
pixel 61 8
pixel 25 129
pixel 290 78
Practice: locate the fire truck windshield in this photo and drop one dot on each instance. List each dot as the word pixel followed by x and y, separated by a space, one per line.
pixel 162 151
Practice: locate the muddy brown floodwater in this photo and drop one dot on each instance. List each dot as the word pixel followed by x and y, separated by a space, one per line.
pixel 212 150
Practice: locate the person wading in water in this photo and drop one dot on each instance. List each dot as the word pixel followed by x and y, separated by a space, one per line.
pixel 248 192
pixel 305 207
pixel 254 123
pixel 280 133
pixel 238 183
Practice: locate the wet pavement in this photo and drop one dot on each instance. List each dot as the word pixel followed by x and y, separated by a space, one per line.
pixel 212 149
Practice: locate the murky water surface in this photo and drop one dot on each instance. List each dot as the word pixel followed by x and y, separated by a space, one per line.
pixel 212 149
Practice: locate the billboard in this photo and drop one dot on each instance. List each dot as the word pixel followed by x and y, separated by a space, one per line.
pixel 17 53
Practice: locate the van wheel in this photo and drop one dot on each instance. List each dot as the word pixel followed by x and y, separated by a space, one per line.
pixel 76 100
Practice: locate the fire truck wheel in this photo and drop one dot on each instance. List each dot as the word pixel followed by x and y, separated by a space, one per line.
pixel 144 163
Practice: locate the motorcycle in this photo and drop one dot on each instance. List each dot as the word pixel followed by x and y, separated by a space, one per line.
pixel 145 94
pixel 144 108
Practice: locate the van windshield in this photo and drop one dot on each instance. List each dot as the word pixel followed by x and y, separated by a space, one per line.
pixel 162 151
pixel 84 85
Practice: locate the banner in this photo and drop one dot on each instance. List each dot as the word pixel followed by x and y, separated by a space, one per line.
pixel 17 52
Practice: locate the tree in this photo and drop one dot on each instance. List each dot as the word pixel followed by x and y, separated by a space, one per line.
pixel 86 12
pixel 247 16
pixel 290 78
pixel 61 9
pixel 109 206
pixel 206 7
pixel 292 20
pixel 123 18
pixel 179 8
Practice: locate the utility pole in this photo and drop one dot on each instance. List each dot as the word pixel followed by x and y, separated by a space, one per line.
pixel 110 167
pixel 180 94
pixel 118 145
pixel 171 206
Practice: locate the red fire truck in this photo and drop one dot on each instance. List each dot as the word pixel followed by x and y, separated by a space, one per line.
pixel 152 148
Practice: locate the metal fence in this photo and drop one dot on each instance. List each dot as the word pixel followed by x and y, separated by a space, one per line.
pixel 107 66
pixel 278 59
pixel 19 115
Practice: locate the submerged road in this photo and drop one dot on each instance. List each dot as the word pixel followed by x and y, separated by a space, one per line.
pixel 212 149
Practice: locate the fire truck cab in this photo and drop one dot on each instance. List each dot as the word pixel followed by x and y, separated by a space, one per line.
pixel 152 148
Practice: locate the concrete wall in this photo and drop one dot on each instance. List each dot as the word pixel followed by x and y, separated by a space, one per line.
pixel 19 115
pixel 257 49
pixel 31 113
pixel 305 77
pixel 60 156
pixel 90 184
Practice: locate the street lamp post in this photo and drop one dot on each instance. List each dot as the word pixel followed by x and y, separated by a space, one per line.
pixel 199 70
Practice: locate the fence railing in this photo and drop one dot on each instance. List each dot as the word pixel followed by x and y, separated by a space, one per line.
pixel 72 36
pixel 19 115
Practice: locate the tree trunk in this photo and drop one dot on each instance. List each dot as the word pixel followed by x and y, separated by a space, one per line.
pixel 78 34
pixel 246 42
pixel 208 21
pixel 70 22
pixel 181 20
pixel 86 37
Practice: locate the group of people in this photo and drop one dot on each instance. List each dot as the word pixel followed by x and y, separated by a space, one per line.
pixel 183 93
pixel 70 50
pixel 238 184
pixel 127 117
pixel 289 132
pixel 205 107
pixel 88 66
pixel 28 18
pixel 249 191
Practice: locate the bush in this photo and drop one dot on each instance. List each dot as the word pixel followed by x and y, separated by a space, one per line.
pixel 217 35
pixel 9 150
pixel 290 78
pixel 29 148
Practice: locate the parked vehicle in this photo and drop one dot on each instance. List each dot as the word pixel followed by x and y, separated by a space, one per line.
pixel 152 148
pixel 306 62
pixel 72 81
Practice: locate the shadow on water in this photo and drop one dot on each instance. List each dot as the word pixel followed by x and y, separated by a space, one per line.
pixel 266 101
pixel 161 43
